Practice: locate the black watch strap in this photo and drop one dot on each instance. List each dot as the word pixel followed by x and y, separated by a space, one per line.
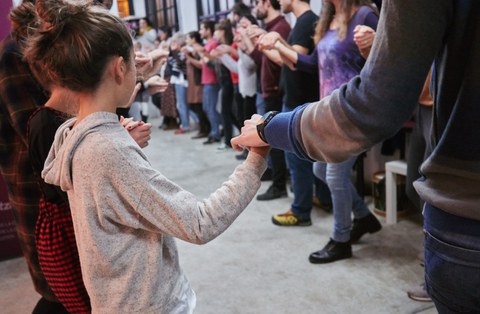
pixel 262 123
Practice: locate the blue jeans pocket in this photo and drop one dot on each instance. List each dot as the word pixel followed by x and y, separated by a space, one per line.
pixel 452 275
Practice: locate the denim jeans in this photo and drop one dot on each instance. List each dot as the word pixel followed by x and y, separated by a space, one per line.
pixel 452 262
pixel 277 156
pixel 210 99
pixel 182 106
pixel 345 198
pixel 301 173
pixel 260 104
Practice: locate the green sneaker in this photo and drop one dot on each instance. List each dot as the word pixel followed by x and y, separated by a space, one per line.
pixel 289 219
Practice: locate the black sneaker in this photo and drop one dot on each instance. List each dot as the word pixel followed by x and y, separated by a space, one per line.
pixel 211 140
pixel 272 193
pixel 332 252
pixel 367 224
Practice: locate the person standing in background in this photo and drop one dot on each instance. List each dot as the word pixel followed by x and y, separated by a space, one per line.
pixel 270 65
pixel 195 88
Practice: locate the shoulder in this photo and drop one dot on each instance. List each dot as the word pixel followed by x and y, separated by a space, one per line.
pixel 307 18
pixel 282 27
pixel 364 12
pixel 109 146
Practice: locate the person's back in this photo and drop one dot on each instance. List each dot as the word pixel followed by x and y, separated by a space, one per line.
pixel 374 105
pixel 20 95
pixel 301 87
pixel 127 221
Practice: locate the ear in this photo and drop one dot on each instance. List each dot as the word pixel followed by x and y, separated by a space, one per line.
pixel 119 70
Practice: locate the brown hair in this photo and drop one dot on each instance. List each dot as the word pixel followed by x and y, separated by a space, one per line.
pixel 346 11
pixel 226 26
pixel 22 19
pixel 73 43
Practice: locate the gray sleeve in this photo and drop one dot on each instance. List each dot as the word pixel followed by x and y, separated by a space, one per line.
pixel 166 207
pixel 375 104
pixel 228 61
pixel 247 61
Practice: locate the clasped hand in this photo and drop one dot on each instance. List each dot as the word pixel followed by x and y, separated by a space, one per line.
pixel 249 138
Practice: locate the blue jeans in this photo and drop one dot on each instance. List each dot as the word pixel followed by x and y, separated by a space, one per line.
pixel 210 99
pixel 301 173
pixel 452 261
pixel 260 104
pixel 182 106
pixel 345 198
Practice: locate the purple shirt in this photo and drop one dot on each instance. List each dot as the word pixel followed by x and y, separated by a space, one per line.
pixel 338 61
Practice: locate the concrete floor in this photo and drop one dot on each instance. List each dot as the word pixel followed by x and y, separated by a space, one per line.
pixel 256 267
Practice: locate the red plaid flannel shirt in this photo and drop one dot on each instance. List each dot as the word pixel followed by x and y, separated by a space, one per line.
pixel 20 95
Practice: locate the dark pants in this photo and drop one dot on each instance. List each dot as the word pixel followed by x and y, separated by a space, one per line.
pixel 228 118
pixel 245 106
pixel 48 307
pixel 203 123
pixel 452 261
pixel 277 157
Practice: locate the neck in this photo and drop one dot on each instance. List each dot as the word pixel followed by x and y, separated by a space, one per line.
pixel 63 100
pixel 91 102
pixel 272 14
pixel 300 8
pixel 336 4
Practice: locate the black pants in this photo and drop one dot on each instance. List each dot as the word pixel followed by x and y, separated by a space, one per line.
pixel 204 124
pixel 279 167
pixel 228 118
pixel 48 307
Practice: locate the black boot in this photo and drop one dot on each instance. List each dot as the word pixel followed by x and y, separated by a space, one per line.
pixel 332 252
pixel 272 193
pixel 367 224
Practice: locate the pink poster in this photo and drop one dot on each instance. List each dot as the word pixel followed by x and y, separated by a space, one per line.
pixel 5 6
pixel 9 246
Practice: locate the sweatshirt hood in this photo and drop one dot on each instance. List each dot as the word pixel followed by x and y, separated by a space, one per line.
pixel 58 165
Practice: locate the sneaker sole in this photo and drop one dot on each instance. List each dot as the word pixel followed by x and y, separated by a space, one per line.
pixel 326 261
pixel 299 224
pixel 420 299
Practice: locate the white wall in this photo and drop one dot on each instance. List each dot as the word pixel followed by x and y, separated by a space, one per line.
pixel 316 5
pixel 139 7
pixel 187 15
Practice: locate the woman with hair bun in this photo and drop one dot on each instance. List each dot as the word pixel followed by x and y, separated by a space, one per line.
pixel 125 222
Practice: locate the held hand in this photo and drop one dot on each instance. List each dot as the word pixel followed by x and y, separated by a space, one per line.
pixel 262 151
pixel 254 31
pixel 215 53
pixel 158 82
pixel 249 136
pixel 140 132
pixel 223 49
pixel 268 40
pixel 150 64
pixel 143 64
pixel 363 36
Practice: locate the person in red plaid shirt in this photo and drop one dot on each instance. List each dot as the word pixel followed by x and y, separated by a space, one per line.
pixel 20 95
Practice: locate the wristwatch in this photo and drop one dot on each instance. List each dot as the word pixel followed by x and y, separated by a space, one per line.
pixel 262 123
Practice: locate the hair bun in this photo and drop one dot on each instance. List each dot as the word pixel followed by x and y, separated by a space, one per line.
pixel 53 14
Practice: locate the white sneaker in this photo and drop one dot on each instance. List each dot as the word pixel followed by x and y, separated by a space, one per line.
pixel 419 293
pixel 223 147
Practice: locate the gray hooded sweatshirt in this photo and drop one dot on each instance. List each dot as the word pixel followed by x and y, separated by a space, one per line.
pixel 126 214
